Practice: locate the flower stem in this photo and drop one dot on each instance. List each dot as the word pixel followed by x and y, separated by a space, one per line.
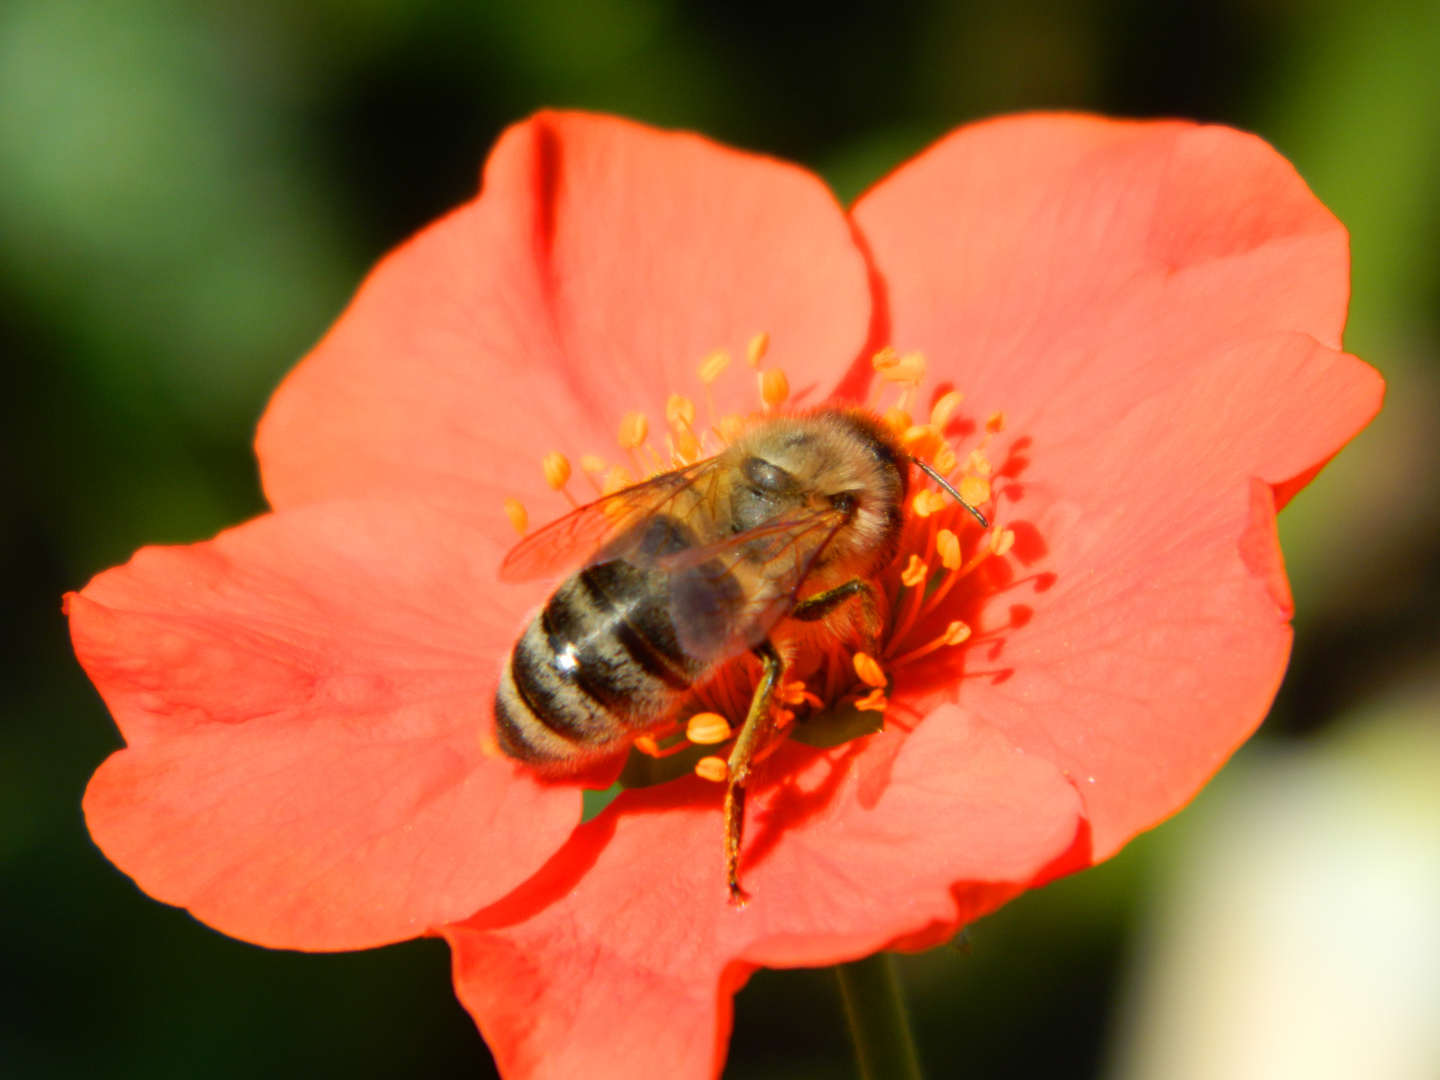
pixel 875 1010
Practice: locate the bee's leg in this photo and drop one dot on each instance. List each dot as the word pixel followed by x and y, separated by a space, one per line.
pixel 821 604
pixel 753 737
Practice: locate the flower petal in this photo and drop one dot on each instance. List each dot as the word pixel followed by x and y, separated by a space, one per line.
pixel 602 262
pixel 1061 268
pixel 619 959
pixel 304 700
pixel 1147 631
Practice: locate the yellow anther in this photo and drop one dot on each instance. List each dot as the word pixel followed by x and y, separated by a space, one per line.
pixel 916 571
pixel 633 429
pixel 617 478
pixel 679 412
pixel 1002 542
pixel 955 633
pixel 731 426
pixel 944 459
pixel 927 502
pixel 885 359
pixel 591 463
pixel 897 420
pixel 713 769
pixel 687 445
pixel 647 746
pixel 707 728
pixel 794 693
pixel 975 490
pixel 774 387
pixel 920 440
pixel 947 544
pixel 909 368
pixel 869 670
pixel 979 464
pixel 515 511
pixel 557 469
pixel 713 365
pixel 759 346
pixel 995 423
pixel 944 409
pixel 873 702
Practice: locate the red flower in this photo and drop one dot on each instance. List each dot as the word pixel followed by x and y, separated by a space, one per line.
pixel 1150 315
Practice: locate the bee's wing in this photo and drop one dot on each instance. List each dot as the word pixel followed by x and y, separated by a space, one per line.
pixel 612 527
pixel 725 597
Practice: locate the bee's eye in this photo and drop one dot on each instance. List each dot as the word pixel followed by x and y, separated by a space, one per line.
pixel 845 502
pixel 768 478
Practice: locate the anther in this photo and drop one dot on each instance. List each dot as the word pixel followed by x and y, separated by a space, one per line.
pixel 979 464
pixel 730 427
pixel 975 490
pixel 869 670
pixel 873 702
pixel 592 464
pixel 947 544
pixel 515 511
pixel 713 769
pixel 944 409
pixel 897 420
pixel 557 469
pixel 707 728
pixel 995 423
pixel 617 478
pixel 927 502
pixel 920 440
pixel 680 412
pixel 795 693
pixel 647 746
pixel 1003 542
pixel 915 572
pixel 633 429
pixel 759 346
pixel 944 459
pixel 955 633
pixel 774 388
pixel 713 365
pixel 909 368
pixel 885 360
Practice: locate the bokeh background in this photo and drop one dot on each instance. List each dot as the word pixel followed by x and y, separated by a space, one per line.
pixel 190 190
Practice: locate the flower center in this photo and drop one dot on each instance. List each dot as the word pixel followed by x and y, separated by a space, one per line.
pixel 833 691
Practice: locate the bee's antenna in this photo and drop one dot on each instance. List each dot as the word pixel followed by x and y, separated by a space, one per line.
pixel 928 471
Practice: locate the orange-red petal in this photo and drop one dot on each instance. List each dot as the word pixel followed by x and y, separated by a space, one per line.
pixel 304 700
pixel 601 263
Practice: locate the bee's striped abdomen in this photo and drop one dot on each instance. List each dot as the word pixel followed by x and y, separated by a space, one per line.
pixel 596 667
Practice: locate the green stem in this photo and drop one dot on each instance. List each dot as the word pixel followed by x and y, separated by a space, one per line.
pixel 875 1009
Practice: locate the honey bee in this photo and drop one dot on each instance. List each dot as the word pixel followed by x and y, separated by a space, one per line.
pixel 689 569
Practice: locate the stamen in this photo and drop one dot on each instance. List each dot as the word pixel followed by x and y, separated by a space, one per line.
pixel 713 365
pixel 515 511
pixel 909 368
pixel 944 460
pixel 730 427
pixel 975 490
pixel 1003 542
pixel 713 769
pixel 954 634
pixel 680 412
pixel 995 423
pixel 633 429
pixel 759 346
pixel 557 469
pixel 707 728
pixel 947 544
pixel 617 478
pixel 927 502
pixel 943 409
pixel 897 420
pixel 915 573
pixel 921 440
pixel 795 693
pixel 979 464
pixel 774 388
pixel 592 464
pixel 868 670
pixel 874 701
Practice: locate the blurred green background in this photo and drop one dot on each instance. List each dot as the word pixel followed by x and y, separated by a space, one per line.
pixel 189 191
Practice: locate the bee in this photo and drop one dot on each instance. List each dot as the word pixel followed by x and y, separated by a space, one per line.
pixel 687 570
